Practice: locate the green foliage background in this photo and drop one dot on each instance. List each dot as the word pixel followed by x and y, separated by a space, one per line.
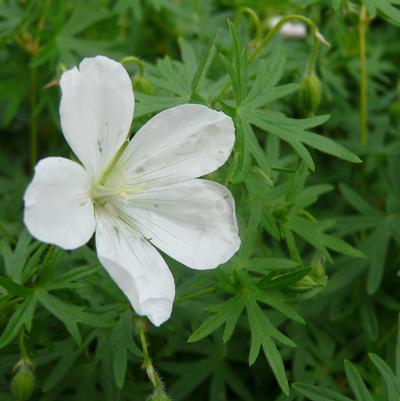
pixel 308 308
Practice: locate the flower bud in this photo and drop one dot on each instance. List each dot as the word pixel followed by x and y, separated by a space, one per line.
pixel 307 283
pixel 315 279
pixel 141 84
pixel 310 94
pixel 23 382
pixel 280 212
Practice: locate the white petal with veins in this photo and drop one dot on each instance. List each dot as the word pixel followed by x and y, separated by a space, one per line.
pixel 136 266
pixel 96 110
pixel 58 208
pixel 178 144
pixel 194 222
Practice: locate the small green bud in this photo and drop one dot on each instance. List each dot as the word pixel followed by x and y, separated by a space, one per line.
pixel 318 266
pixel 310 94
pixel 141 84
pixel 23 382
pixel 280 212
pixel 307 283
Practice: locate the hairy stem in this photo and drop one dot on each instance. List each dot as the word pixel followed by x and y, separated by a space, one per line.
pixel 147 362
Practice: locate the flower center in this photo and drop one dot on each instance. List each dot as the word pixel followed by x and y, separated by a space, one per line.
pixel 113 189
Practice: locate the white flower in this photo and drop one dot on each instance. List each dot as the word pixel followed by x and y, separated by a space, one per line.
pixel 137 194
pixel 291 30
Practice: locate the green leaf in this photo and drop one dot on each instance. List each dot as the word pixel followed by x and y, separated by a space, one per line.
pixel 376 247
pixel 284 280
pixel 242 153
pixel 359 388
pixel 271 96
pixel 315 393
pixel 369 320
pixel 391 382
pixel 291 133
pixel 340 246
pixel 261 337
pixel 269 73
pixel 22 316
pixel 327 145
pixel 69 278
pixel 385 8
pixel 68 355
pixel 228 312
pixel 151 104
pixel 121 336
pixel 263 265
pixel 67 313
pixel 357 201
pixel 205 59
pixel 239 63
pixel 14 288
pixel 276 301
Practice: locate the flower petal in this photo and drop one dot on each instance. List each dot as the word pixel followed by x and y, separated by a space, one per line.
pixel 96 110
pixel 178 144
pixel 194 222
pixel 136 266
pixel 58 209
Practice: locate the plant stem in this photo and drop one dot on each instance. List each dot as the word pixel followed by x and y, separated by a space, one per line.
pixel 195 294
pixel 257 24
pixel 313 30
pixel 147 362
pixel 362 29
pixel 313 59
pixel 135 60
pixel 22 346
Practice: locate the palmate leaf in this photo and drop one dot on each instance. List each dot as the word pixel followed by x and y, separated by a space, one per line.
pixel 297 137
pixel 180 81
pixel 386 8
pixel 376 245
pixel 264 91
pixel 15 259
pixel 226 313
pixel 263 332
pixel 70 314
pixel 69 43
pixel 22 317
pixel 67 313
